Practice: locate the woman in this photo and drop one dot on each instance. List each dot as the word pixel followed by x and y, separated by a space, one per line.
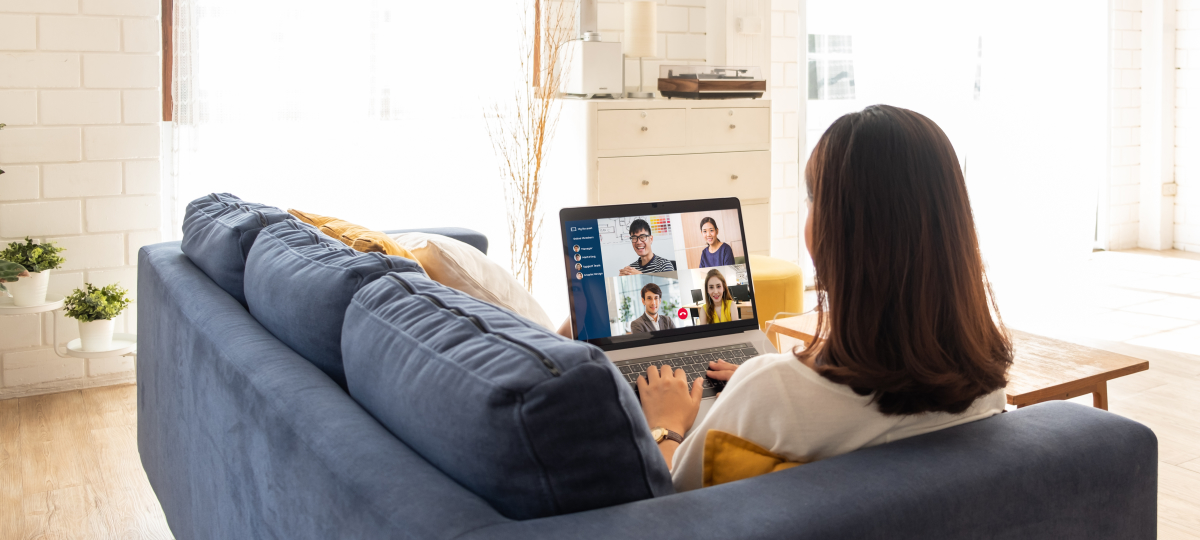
pixel 718 303
pixel 912 339
pixel 717 253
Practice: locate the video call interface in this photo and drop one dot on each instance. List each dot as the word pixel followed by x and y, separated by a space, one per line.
pixel 632 276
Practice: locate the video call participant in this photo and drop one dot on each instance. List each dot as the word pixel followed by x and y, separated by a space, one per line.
pixel 717 253
pixel 647 262
pixel 718 302
pixel 651 320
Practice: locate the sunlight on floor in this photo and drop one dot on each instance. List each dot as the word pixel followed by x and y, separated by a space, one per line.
pixel 1139 297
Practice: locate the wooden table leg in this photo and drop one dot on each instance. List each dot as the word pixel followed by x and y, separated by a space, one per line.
pixel 773 337
pixel 1100 395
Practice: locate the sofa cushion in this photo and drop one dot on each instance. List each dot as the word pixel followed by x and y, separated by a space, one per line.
pixel 218 231
pixel 534 423
pixel 299 282
pixel 456 265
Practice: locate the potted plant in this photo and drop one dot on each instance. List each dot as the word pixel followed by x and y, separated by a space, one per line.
pixel 39 260
pixel 94 309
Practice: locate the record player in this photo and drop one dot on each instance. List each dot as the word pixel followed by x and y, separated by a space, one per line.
pixel 711 82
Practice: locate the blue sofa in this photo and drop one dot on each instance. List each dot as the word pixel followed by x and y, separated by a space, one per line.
pixel 242 437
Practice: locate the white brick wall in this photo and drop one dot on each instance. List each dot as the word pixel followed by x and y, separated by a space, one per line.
pixel 18 32
pixel 1187 124
pixel 681 35
pixel 80 92
pixel 785 142
pixel 1125 154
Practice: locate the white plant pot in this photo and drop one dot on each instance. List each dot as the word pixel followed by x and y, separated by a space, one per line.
pixel 96 335
pixel 31 290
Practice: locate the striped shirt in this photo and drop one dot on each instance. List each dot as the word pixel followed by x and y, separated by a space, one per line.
pixel 656 264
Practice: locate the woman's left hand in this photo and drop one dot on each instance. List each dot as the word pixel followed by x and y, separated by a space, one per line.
pixel 666 400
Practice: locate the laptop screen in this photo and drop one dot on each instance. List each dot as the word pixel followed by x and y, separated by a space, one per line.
pixel 635 275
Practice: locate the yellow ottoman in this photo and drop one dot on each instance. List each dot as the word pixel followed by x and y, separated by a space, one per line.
pixel 778 288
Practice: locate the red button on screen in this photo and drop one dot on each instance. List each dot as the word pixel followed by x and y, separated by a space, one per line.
pixel 683 313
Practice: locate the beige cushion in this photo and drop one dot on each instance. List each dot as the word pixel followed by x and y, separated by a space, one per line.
pixel 460 266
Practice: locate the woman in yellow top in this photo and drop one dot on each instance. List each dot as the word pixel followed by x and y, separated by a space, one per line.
pixel 718 303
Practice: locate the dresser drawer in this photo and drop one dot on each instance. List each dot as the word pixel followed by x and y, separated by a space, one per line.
pixel 733 126
pixel 637 129
pixel 745 175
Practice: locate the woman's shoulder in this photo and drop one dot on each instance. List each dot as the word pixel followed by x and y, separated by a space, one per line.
pixel 785 373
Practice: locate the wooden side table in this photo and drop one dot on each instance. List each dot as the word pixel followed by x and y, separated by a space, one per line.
pixel 1044 369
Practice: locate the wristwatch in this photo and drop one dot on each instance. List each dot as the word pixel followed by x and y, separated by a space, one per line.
pixel 661 434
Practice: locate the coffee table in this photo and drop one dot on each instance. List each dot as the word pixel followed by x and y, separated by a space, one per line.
pixel 1044 369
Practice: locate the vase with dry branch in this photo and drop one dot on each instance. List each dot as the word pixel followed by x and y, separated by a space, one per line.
pixel 521 129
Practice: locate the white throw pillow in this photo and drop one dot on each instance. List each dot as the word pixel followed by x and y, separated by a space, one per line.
pixel 460 266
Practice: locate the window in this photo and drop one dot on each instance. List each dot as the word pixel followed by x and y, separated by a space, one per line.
pixel 830 67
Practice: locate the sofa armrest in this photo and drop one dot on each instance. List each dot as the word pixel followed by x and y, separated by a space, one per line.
pixel 1055 471
pixel 474 238
pixel 241 437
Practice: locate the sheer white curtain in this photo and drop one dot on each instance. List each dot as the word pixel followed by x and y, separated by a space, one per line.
pixel 369 110
pixel 1021 89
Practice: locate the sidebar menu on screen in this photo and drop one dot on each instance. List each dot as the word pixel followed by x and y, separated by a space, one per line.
pixel 586 278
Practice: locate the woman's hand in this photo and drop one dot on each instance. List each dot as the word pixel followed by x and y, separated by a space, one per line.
pixel 666 400
pixel 720 370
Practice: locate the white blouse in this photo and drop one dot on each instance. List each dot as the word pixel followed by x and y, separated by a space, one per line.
pixel 777 402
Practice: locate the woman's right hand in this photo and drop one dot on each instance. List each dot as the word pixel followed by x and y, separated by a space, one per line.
pixel 720 370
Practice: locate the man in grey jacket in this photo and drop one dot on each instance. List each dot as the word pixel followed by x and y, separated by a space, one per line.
pixel 651 320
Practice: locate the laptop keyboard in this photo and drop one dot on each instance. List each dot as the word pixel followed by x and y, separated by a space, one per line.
pixel 694 363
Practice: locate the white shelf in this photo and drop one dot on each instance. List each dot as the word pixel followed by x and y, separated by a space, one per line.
pixel 53 302
pixel 123 344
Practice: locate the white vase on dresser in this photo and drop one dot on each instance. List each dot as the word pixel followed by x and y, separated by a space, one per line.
pixel 642 150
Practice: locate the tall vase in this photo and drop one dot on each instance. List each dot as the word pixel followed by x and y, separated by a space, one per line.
pixel 96 335
pixel 30 290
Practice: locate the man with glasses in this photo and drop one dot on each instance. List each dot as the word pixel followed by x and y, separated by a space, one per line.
pixel 647 262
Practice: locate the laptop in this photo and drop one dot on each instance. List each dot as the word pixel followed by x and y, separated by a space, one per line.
pixel 631 271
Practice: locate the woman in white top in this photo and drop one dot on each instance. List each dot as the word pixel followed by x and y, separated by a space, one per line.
pixel 912 339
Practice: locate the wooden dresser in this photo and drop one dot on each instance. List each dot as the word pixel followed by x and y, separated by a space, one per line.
pixel 661 150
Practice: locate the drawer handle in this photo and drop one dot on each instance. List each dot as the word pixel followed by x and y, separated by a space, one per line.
pixel 644 128
pixel 733 177
pixel 645 182
pixel 732 126
pixel 643 114
pixel 730 112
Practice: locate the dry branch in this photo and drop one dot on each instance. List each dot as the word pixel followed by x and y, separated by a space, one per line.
pixel 521 131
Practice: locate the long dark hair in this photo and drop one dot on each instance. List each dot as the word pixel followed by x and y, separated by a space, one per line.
pixel 726 296
pixel 907 313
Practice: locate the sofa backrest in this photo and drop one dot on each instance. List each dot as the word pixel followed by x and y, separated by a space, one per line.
pixel 218 231
pixel 299 282
pixel 534 423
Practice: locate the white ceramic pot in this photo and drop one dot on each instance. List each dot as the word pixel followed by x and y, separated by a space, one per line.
pixel 96 335
pixel 31 290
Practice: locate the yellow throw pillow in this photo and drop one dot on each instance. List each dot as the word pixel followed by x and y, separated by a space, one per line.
pixel 729 458
pixel 356 236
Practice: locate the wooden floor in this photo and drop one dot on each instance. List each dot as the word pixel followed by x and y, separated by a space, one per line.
pixel 1145 304
pixel 69 465
pixel 69 468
